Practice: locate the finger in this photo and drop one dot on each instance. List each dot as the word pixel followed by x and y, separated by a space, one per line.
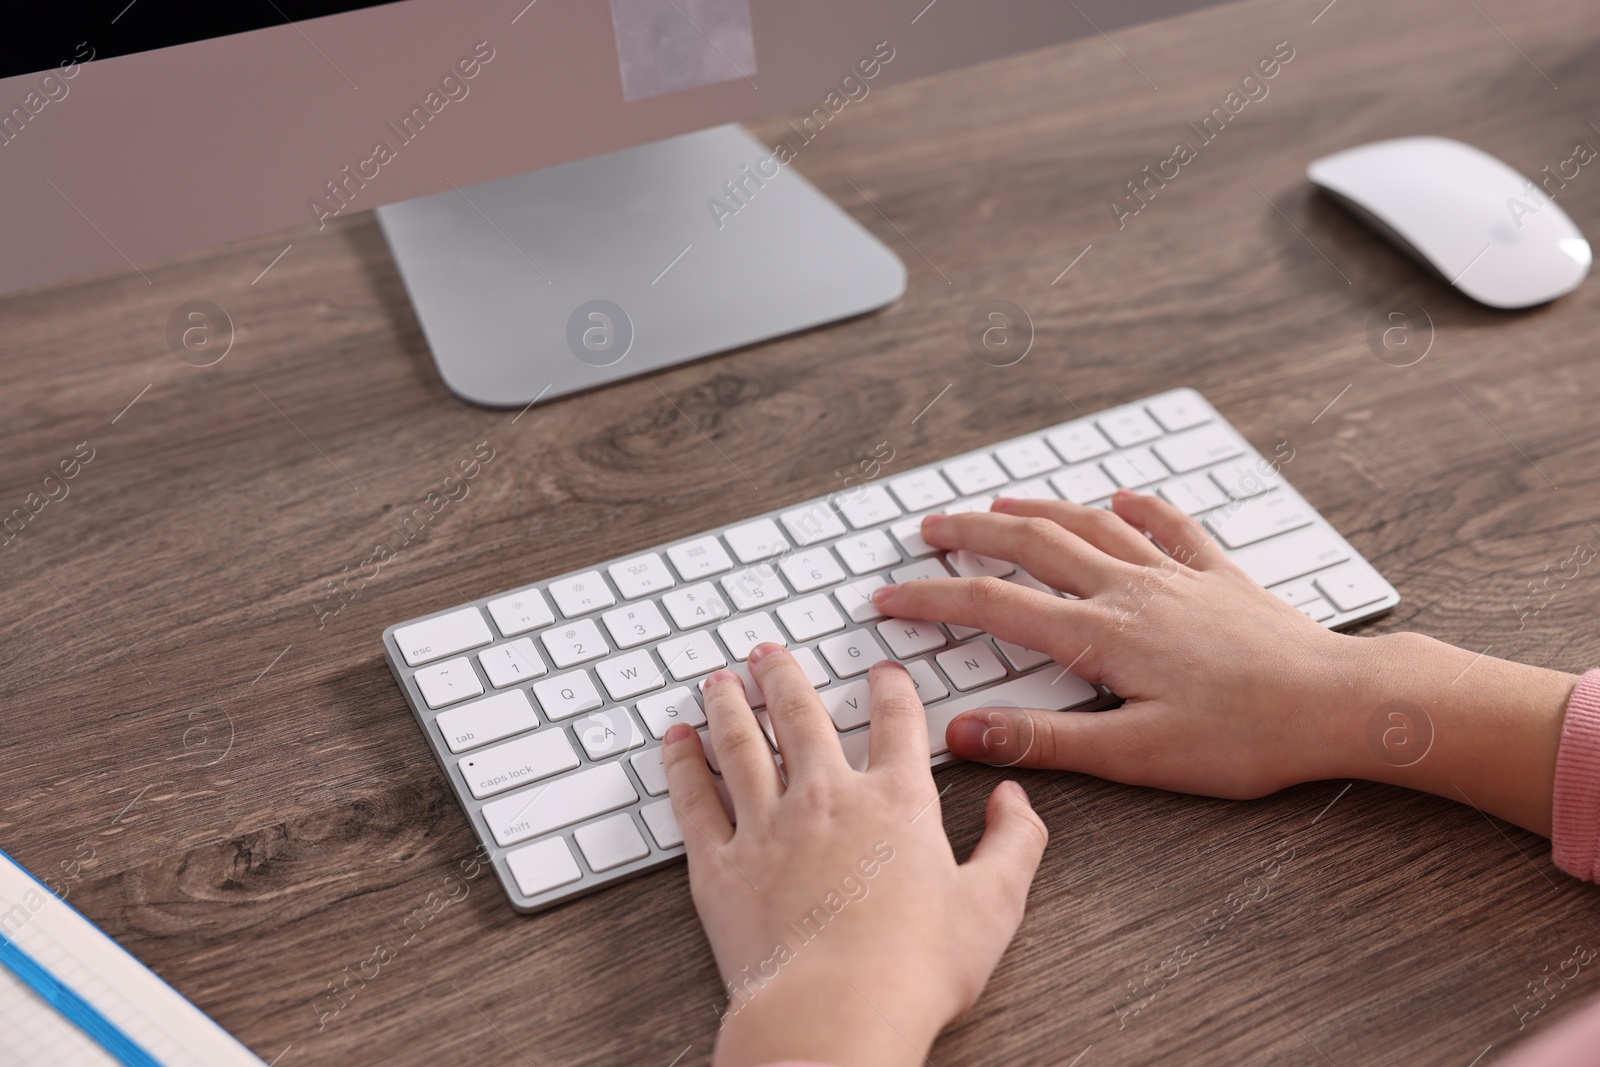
pixel 1107 744
pixel 1045 549
pixel 743 755
pixel 694 796
pixel 1008 854
pixel 1066 629
pixel 806 736
pixel 1184 539
pixel 1105 530
pixel 899 736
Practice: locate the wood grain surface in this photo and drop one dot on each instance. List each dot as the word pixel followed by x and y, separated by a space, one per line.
pixel 242 798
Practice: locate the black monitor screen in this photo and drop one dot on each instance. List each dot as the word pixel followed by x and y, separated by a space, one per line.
pixel 60 33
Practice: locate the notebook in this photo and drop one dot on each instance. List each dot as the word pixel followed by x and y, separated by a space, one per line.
pixel 72 997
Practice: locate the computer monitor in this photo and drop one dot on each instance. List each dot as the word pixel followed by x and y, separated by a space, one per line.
pixel 560 181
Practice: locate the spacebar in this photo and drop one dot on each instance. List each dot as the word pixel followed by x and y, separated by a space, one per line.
pixel 1050 689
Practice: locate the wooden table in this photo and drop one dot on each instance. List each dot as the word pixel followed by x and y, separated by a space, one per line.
pixel 242 799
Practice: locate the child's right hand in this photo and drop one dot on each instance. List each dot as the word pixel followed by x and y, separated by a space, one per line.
pixel 1228 690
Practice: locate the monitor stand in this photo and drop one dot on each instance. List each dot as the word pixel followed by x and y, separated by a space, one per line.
pixel 561 279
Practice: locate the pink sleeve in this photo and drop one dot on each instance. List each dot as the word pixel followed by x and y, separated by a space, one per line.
pixel 1575 815
pixel 1575 847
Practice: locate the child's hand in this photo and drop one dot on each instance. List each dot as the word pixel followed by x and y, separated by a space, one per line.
pixel 1229 691
pixel 841 922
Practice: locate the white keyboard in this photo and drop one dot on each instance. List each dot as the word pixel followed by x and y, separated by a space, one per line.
pixel 546 706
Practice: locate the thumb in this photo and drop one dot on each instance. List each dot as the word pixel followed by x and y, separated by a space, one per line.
pixel 1106 744
pixel 1007 856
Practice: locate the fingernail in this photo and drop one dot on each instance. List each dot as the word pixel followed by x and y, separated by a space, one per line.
pixel 888 664
pixel 881 595
pixel 676 732
pixel 1002 503
pixel 969 737
pixel 717 677
pixel 762 651
pixel 1016 787
pixel 929 521
pixel 1125 494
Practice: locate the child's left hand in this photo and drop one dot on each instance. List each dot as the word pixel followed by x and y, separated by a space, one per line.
pixel 841 922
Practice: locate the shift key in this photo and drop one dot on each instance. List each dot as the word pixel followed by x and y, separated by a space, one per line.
pixel 559 803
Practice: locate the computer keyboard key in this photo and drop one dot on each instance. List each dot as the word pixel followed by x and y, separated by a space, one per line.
pixel 974 474
pixel 574 643
pixel 916 572
pixel 968 564
pixel 1318 610
pixel 867 506
pixel 961 633
pixel 630 674
pixel 1027 458
pixel 1193 493
pixel 676 705
pixel 754 587
pixel 849 705
pixel 1249 521
pixel 611 842
pixel 663 824
pixel 811 667
pixel 527 759
pixel 566 695
pixel 1243 479
pixel 1020 658
pixel 1129 427
pixel 909 533
pixel 448 683
pixel 1078 442
pixel 511 663
pixel 521 612
pixel 1290 555
pixel 1133 468
pixel 742 634
pixel 857 748
pixel 1178 411
pixel 486 720
pixel 811 570
pixel 607 733
pixel 634 624
pixel 756 541
pixel 977 503
pixel 971 665
pixel 581 594
pixel 560 802
pixel 651 771
pixel 424 642
pixel 691 655
pixel 856 599
pixel 852 653
pixel 641 576
pixel 810 617
pixel 911 637
pixel 1051 689
pixel 1300 591
pixel 930 687
pixel 866 552
pixel 543 866
pixel 1196 448
pixel 1032 489
pixel 814 522
pixel 921 491
pixel 1351 586
pixel 704 557
pixel 695 605
pixel 1083 485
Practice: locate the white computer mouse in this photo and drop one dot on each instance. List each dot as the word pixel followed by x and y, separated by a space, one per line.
pixel 1486 229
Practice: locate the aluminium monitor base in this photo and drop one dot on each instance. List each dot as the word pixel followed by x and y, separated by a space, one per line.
pixel 561 279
